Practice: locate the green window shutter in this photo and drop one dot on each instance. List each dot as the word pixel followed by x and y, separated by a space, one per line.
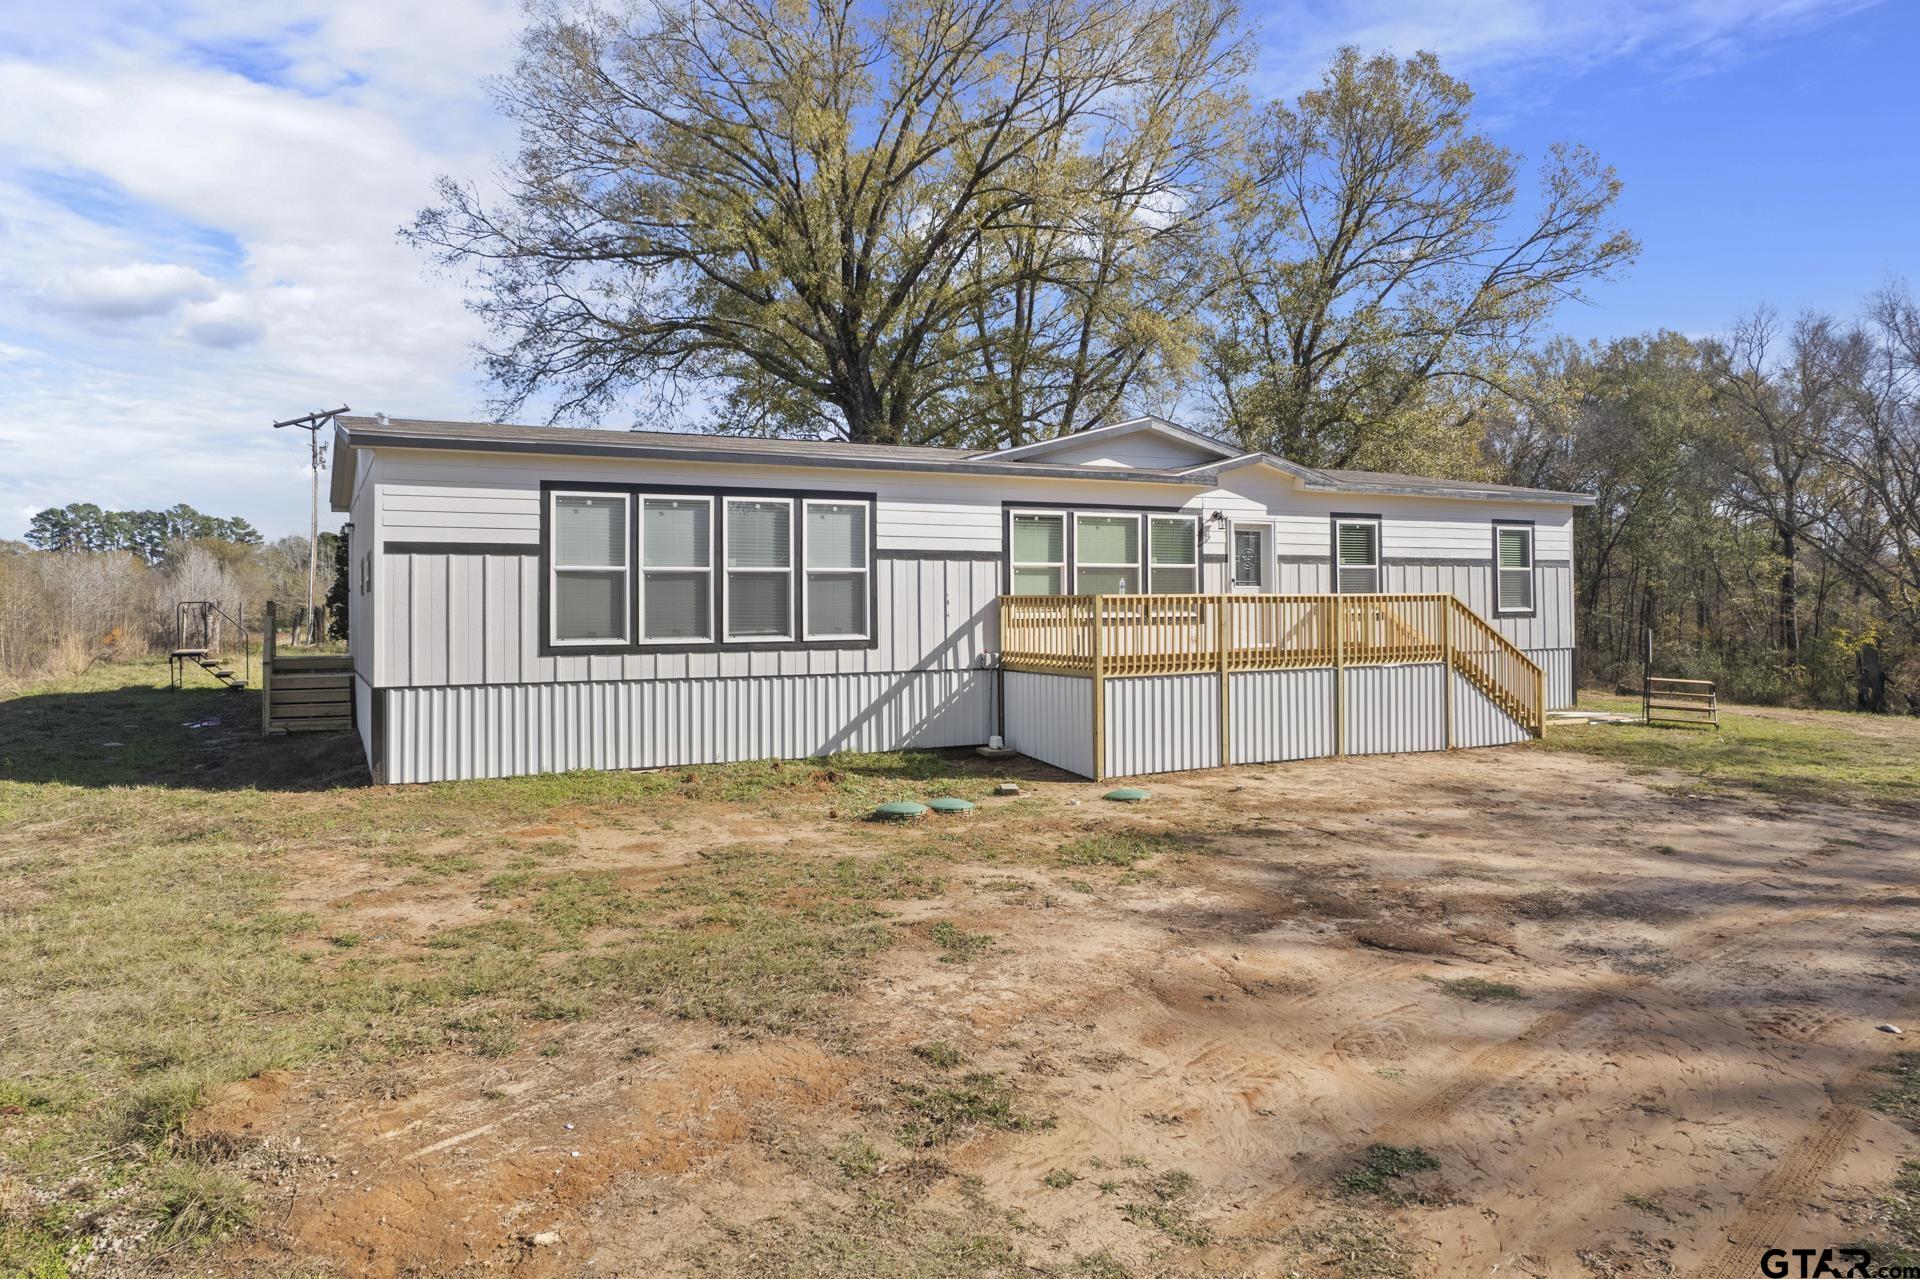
pixel 1039 539
pixel 1109 539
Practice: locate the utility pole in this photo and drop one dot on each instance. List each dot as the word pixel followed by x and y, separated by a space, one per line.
pixel 312 424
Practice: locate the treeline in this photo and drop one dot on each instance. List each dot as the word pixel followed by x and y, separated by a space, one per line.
pixel 92 584
pixel 1758 499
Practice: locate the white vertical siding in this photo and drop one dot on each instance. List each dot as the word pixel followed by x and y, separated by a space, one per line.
pixel 1280 715
pixel 1478 722
pixel 1162 724
pixel 1391 709
pixel 1550 627
pixel 443 734
pixel 1050 718
pixel 455 618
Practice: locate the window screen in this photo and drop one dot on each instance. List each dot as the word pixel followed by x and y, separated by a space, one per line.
pixel 837 570
pixel 1173 558
pixel 1107 554
pixel 1513 569
pixel 588 551
pixel 1357 544
pixel 759 568
pixel 676 566
pixel 1039 554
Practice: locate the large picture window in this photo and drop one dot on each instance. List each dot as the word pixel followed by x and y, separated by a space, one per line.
pixel 837 576
pixel 676 569
pixel 1039 553
pixel 759 599
pixel 1173 554
pixel 1106 553
pixel 1356 548
pixel 590 569
pixel 1513 568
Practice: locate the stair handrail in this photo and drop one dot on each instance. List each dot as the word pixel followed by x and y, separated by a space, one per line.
pixel 1528 692
pixel 207 610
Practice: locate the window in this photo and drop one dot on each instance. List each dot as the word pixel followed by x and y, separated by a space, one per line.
pixel 1106 554
pixel 589 557
pixel 676 568
pixel 836 581
pixel 1357 556
pixel 1173 555
pixel 1513 568
pixel 1039 554
pixel 760 568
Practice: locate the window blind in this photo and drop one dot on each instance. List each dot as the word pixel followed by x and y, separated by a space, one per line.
pixel 1359 558
pixel 1513 555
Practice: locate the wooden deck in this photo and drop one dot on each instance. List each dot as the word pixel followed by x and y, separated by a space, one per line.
pixel 1102 637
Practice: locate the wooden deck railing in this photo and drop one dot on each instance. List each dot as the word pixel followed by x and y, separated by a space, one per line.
pixel 1109 636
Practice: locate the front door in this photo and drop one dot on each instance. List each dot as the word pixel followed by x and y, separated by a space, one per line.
pixel 1251 559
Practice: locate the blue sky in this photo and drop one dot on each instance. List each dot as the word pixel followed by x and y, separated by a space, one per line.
pixel 198 199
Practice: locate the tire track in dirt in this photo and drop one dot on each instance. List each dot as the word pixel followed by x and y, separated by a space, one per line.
pixel 1782 1196
pixel 1525 1054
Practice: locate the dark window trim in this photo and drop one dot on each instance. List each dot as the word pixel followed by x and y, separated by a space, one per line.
pixel 718 543
pixel 1379 548
pixel 1533 570
pixel 459 548
pixel 1009 507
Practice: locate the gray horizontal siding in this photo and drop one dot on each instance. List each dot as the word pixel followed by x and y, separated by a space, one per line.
pixel 1050 718
pixel 453 619
pixel 1162 724
pixel 451 733
pixel 1280 715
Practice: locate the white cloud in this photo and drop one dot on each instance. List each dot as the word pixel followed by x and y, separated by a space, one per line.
pixel 1480 38
pixel 198 207
pixel 130 292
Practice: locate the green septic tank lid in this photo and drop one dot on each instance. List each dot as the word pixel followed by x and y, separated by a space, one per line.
pixel 948 804
pixel 899 810
pixel 1127 794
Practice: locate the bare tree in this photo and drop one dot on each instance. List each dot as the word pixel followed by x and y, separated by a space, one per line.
pixel 1778 413
pixel 1380 267
pixel 805 207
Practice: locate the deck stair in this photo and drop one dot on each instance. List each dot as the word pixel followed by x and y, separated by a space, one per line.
pixel 303 692
pixel 203 636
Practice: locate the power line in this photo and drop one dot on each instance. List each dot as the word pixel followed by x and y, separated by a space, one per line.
pixel 312 424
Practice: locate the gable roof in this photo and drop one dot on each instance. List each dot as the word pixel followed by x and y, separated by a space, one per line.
pixel 1147 425
pixel 353 432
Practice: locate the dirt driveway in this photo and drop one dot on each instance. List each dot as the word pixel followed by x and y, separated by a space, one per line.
pixel 1499 1011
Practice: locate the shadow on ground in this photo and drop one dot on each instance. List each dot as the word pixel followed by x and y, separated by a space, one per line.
pixel 190 738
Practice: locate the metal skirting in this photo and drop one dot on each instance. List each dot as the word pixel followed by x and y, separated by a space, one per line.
pixel 1394 709
pixel 1280 715
pixel 1557 663
pixel 1050 718
pixel 1171 723
pixel 1478 722
pixel 1162 724
pixel 445 734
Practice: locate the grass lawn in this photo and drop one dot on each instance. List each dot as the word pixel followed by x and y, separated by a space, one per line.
pixel 1830 756
pixel 184 905
pixel 151 953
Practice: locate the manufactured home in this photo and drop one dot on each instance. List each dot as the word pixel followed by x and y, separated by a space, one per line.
pixel 1135 598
